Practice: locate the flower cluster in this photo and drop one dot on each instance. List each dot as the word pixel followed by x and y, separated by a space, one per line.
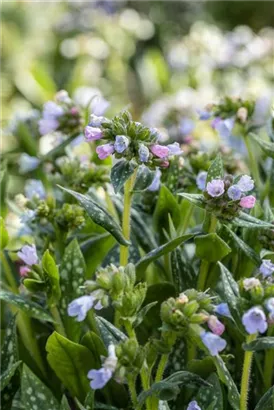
pixel 112 283
pixel 60 115
pixel 131 140
pixel 258 294
pixel 226 197
pixel 194 308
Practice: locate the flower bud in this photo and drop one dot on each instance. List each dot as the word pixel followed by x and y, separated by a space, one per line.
pixel 242 114
pixel 198 318
pixel 190 308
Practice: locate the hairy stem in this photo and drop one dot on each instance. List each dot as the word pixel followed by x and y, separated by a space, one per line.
pixel 124 250
pixel 246 374
pixel 59 327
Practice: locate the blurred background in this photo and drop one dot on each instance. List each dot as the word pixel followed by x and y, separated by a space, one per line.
pixel 150 56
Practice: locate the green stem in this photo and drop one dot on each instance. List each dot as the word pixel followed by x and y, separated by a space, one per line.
pixel 124 250
pixel 269 364
pixel 253 163
pixel 145 378
pixel 130 331
pixel 159 375
pixel 92 322
pixel 132 389
pixel 8 273
pixel 202 278
pixel 246 374
pixel 186 220
pixel 59 327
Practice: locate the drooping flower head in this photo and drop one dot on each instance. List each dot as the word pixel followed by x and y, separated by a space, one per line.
pixel 215 325
pixel 155 185
pixel 174 149
pixel 79 307
pixel 215 187
pixel 254 320
pixel 224 127
pixel 93 133
pixel 234 193
pixel 28 255
pixel 105 150
pixel 50 116
pixel 223 309
pixel 143 153
pixel 267 267
pixel 99 378
pixel 245 183
pixel 214 343
pixel 121 143
pixel 159 151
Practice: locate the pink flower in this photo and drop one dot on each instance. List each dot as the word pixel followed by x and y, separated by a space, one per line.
pixel 24 270
pixel 93 133
pixel 215 325
pixel 159 151
pixel 165 164
pixel 248 201
pixel 105 150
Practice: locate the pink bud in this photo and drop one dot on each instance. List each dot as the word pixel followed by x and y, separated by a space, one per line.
pixel 159 151
pixel 24 270
pixel 164 164
pixel 215 325
pixel 74 111
pixel 248 201
pixel 105 150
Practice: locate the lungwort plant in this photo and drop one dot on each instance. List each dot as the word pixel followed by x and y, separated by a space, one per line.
pixel 142 274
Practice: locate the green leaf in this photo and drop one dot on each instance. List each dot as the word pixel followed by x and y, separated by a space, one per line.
pixel 120 173
pixel 196 199
pixel 183 273
pixel 169 388
pixel 7 374
pixel 100 216
pixel 263 343
pixel 31 308
pixel 211 247
pixel 95 346
pixel 72 276
pixel 240 244
pixel 109 333
pixel 158 252
pixel 267 147
pixel 143 179
pixel 266 402
pixel 166 205
pixel 216 169
pixel 4 236
pixel 34 285
pixel 142 313
pixel 71 362
pixel 224 375
pixel 43 78
pixel 9 353
pixel 34 394
pixel 89 402
pixel 211 395
pixel 51 276
pixel 247 221
pixel 64 404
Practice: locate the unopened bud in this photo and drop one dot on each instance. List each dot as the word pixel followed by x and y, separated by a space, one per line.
pixel 242 114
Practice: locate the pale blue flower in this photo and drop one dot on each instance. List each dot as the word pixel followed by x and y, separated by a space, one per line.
pixel 35 188
pixel 193 405
pixel 186 126
pixel 269 304
pixel 96 121
pixel 204 115
pixel 27 163
pixel 234 193
pixel 102 376
pixel 224 127
pixel 99 105
pixel 214 343
pixel 48 125
pixel 155 185
pixel 223 309
pixel 50 115
pixel 27 216
pixel 254 320
pixel 215 187
pixel 201 180
pixel 245 183
pixel 143 153
pixel 28 255
pixel 79 307
pixel 174 149
pixel 267 267
pixel 121 143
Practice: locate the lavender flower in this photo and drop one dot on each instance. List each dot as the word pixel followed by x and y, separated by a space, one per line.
pixel 267 267
pixel 159 151
pixel 93 133
pixel 99 378
pixel 214 343
pixel 27 163
pixel 223 310
pixel 224 127
pixel 215 325
pixel 254 320
pixel 49 121
pixel 95 121
pixel 35 188
pixel 155 185
pixel 105 150
pixel 121 143
pixel 269 304
pixel 204 115
pixel 215 188
pixel 186 126
pixel 99 105
pixel 248 202
pixel 201 180
pixel 174 149
pixel 245 183
pixel 193 405
pixel 28 255
pixel 143 153
pixel 79 307
pixel 234 193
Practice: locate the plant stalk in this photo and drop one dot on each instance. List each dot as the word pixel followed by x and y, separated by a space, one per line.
pixel 269 364
pixel 202 278
pixel 246 374
pixel 58 324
